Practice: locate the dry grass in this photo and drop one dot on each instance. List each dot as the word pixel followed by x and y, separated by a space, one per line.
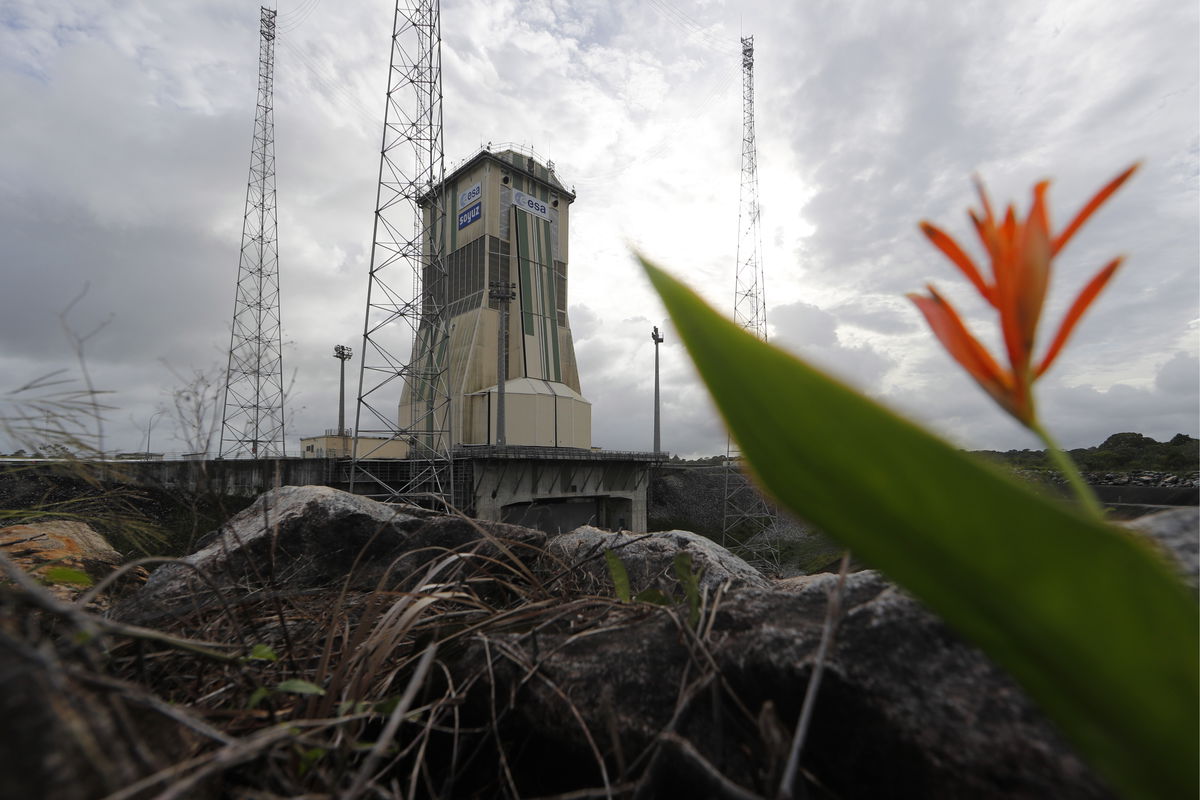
pixel 386 716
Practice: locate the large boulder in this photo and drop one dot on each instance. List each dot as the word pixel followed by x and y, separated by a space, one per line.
pixel 649 560
pixel 906 708
pixel 1177 534
pixel 303 538
pixel 634 693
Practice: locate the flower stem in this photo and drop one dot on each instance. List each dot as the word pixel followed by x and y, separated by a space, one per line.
pixel 1067 467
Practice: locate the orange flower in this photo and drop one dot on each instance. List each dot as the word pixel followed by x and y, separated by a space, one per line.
pixel 1020 254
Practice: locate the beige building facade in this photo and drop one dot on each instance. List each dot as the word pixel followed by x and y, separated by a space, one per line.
pixel 331 445
pixel 507 219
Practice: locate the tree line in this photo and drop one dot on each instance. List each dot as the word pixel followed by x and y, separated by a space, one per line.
pixel 1121 452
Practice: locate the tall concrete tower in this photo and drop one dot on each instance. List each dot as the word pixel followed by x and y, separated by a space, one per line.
pixel 505 222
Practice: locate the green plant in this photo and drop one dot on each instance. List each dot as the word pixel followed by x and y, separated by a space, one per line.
pixel 67 575
pixel 619 575
pixel 689 579
pixel 1090 619
pixel 292 686
pixel 685 573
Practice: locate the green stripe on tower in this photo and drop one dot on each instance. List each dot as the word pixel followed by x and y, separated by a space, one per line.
pixel 452 201
pixel 551 302
pixel 522 249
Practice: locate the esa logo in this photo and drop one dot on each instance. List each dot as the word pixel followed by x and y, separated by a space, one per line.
pixel 474 193
pixel 531 204
pixel 470 215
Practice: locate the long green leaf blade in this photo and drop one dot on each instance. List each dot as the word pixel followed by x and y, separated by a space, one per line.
pixel 619 575
pixel 1088 618
pixel 297 686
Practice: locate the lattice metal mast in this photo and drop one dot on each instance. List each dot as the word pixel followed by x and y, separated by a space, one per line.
pixel 749 292
pixel 405 335
pixel 252 419
pixel 745 510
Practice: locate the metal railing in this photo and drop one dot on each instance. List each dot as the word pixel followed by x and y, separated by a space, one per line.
pixel 521 451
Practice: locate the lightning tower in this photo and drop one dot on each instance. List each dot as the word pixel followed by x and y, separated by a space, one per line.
pixel 406 332
pixel 745 511
pixel 252 419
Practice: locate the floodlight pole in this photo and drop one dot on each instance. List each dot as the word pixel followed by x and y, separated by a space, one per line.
pixel 657 338
pixel 503 293
pixel 342 353
pixel 150 426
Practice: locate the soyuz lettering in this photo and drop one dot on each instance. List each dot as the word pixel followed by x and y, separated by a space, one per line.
pixel 473 213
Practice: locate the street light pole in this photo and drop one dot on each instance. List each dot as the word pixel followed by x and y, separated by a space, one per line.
pixel 657 338
pixel 502 293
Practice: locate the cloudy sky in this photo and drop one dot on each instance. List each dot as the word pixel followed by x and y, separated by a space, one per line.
pixel 126 132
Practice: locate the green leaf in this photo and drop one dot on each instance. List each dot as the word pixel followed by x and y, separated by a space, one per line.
pixel 296 686
pixel 690 581
pixel 1089 618
pixel 355 707
pixel 309 757
pixel 74 577
pixel 620 577
pixel 261 652
pixel 259 694
pixel 654 596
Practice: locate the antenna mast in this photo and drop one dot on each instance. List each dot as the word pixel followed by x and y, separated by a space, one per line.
pixel 252 419
pixel 403 394
pixel 746 512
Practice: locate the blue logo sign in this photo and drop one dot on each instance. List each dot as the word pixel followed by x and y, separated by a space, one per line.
pixel 470 215
pixel 474 193
pixel 527 202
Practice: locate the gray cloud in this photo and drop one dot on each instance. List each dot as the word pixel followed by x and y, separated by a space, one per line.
pixel 128 152
pixel 812 333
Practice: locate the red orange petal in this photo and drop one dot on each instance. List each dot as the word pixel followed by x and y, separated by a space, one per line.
pixel 944 242
pixel 1090 207
pixel 1032 269
pixel 965 348
pixel 987 234
pixel 1085 299
pixel 983 199
pixel 1006 266
pixel 1008 229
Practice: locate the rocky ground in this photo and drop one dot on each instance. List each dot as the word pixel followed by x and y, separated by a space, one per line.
pixel 1150 478
pixel 320 644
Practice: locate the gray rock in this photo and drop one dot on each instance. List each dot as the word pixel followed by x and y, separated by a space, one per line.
pixel 649 560
pixel 1176 532
pixel 906 709
pixel 308 537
